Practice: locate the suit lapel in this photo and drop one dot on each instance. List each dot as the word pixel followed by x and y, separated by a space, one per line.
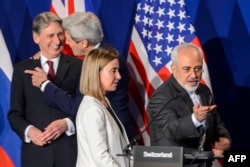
pixel 202 96
pixel 63 66
pixel 36 63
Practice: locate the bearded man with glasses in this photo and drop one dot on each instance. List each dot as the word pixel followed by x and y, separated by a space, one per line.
pixel 182 111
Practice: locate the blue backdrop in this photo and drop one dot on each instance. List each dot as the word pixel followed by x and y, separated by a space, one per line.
pixel 222 27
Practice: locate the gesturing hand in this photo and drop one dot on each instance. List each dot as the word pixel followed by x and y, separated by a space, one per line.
pixel 202 112
pixel 38 76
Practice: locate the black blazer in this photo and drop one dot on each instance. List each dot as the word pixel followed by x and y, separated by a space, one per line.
pixel 170 109
pixel 28 108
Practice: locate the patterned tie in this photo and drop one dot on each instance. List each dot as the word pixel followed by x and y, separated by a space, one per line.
pixel 51 73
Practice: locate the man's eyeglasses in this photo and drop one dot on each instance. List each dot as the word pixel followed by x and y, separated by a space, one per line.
pixel 188 70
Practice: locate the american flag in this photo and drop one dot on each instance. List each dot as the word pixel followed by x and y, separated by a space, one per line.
pixel 159 26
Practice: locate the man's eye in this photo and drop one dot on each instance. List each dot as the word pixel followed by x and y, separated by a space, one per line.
pixel 186 69
pixel 197 69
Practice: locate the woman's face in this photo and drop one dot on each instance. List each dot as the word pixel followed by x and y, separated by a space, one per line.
pixel 110 76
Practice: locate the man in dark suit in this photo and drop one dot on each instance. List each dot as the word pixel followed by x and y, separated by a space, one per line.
pixel 48 134
pixel 181 111
pixel 83 33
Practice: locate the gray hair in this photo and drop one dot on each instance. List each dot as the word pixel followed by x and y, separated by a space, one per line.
pixel 84 25
pixel 174 55
pixel 43 20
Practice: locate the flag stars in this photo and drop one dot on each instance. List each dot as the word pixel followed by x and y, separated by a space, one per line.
pixel 149 46
pixel 162 1
pixel 145 20
pixel 150 22
pixel 170 25
pixel 146 8
pixel 182 3
pixel 139 7
pixel 181 27
pixel 157 60
pixel 144 33
pixel 151 10
pixel 171 13
pixel 149 34
pixel 161 27
pixel 158 48
pixel 172 2
pixel 191 29
pixel 180 39
pixel 160 12
pixel 137 18
pixel 182 14
pixel 170 38
pixel 169 50
pixel 159 24
pixel 158 36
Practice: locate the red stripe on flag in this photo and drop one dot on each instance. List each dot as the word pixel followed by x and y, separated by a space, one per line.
pixel 71 7
pixel 5 161
pixel 52 9
pixel 140 69
pixel 164 73
pixel 134 92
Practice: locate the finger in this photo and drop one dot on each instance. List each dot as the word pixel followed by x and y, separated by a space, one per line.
pixel 213 107
pixel 47 136
pixel 29 71
pixel 38 69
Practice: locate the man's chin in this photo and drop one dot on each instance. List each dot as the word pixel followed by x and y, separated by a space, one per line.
pixel 191 87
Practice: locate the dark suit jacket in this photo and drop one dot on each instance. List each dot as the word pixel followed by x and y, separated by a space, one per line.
pixel 170 109
pixel 28 108
pixel 69 103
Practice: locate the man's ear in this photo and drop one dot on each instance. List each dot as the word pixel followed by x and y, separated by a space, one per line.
pixel 84 43
pixel 36 38
pixel 173 68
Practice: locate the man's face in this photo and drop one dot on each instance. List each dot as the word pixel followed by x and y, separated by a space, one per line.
pixel 188 70
pixel 50 40
pixel 78 48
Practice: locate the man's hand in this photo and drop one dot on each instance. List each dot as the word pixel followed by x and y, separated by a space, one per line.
pixel 36 56
pixel 54 130
pixel 221 145
pixel 35 136
pixel 202 112
pixel 38 76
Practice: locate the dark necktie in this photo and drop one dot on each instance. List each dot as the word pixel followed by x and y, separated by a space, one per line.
pixel 51 73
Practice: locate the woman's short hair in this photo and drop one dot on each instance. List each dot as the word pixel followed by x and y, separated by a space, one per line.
pixel 92 65
pixel 43 20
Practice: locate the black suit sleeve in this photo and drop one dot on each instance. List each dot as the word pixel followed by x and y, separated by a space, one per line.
pixel 16 115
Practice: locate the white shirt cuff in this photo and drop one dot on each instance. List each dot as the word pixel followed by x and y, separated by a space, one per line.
pixel 44 85
pixel 26 137
pixel 71 128
pixel 196 122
